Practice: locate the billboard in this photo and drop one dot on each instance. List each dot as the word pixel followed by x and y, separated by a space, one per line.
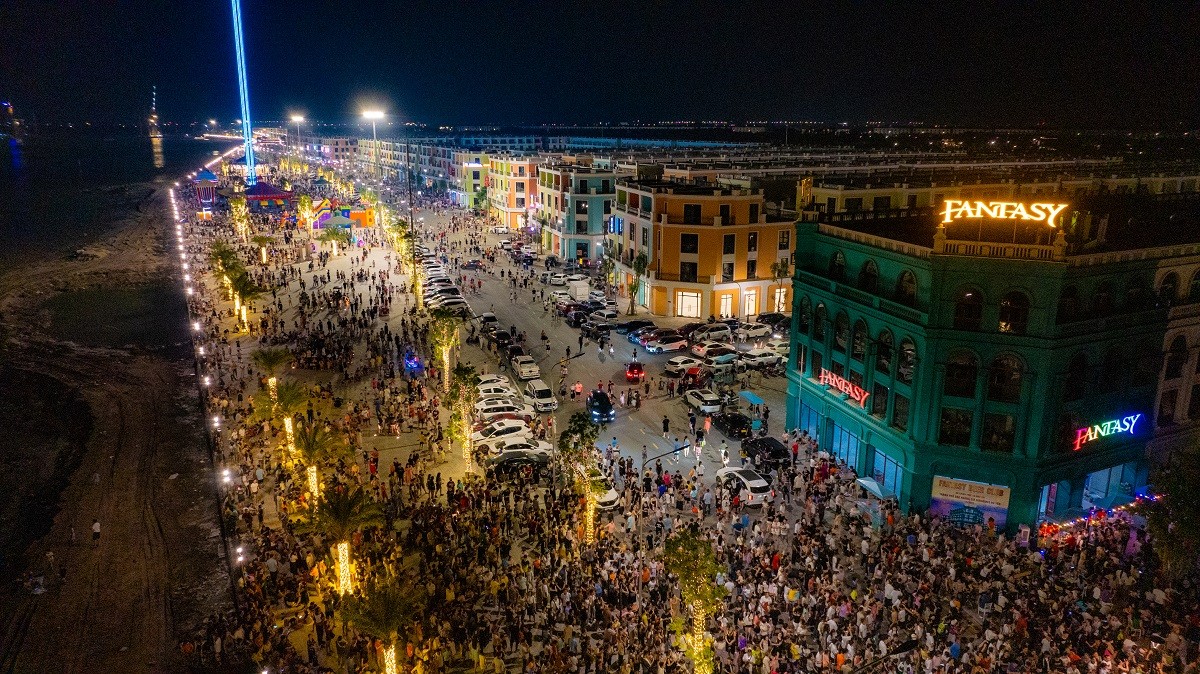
pixel 966 503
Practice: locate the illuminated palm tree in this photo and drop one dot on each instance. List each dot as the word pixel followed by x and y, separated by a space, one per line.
pixel 337 517
pixel 245 290
pixel 387 610
pixel 640 264
pixel 443 335
pixel 304 213
pixel 270 361
pixel 461 396
pixel 316 446
pixel 335 235
pixel 286 401
pixel 239 215
pixel 690 557
pixel 262 242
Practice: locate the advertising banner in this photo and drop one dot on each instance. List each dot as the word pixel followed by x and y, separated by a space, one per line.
pixel 966 503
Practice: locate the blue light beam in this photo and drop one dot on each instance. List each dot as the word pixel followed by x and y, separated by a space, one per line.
pixel 247 129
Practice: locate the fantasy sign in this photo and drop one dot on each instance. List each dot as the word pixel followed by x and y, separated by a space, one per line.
pixel 1121 425
pixel 856 393
pixel 957 209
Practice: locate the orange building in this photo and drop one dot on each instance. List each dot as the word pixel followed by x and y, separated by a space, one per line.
pixel 512 189
pixel 711 250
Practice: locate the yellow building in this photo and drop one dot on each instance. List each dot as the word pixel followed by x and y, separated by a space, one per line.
pixel 712 251
pixel 512 189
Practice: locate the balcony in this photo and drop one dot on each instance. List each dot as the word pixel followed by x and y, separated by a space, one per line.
pixel 669 276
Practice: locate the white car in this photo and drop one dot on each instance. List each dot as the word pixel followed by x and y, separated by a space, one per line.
pixel 756 490
pixel 526 368
pixel 597 295
pixel 753 330
pixel 492 401
pixel 673 343
pixel 603 315
pixel 497 389
pixel 455 305
pixel 498 229
pixel 780 345
pixel 760 358
pixel 611 304
pixel 558 280
pixel 560 296
pixel 538 394
pixel 495 411
pixel 576 277
pixel 607 497
pixel 496 446
pixel 680 364
pixel 485 379
pixel 504 428
pixel 702 348
pixel 703 400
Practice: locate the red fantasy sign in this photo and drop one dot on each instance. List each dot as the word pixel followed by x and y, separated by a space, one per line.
pixel 857 393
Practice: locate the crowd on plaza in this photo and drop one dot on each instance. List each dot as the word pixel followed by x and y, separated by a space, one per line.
pixel 822 579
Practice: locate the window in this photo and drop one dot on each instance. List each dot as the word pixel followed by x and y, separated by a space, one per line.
pixel 607 206
pixel 785 239
pixel 818 362
pixel 805 315
pixel 1114 364
pixel 751 269
pixel 955 428
pixel 819 320
pixel 752 242
pixel 726 305
pixel 1004 380
pixel 868 277
pixel 858 341
pixel 688 271
pixel 689 243
pixel 962 369
pixel 687 304
pixel 475 175
pixel 726 272
pixel 730 241
pixel 968 310
pixel 1102 300
pixel 1075 384
pixel 1166 407
pixel 583 187
pixel 801 357
pixel 1014 313
pixel 520 202
pixel 753 213
pixel 906 288
pixel 645 237
pixel 887 473
pixel 881 203
pixel 1068 305
pixel 844 445
pixel 1145 368
pixel 879 397
pixel 837 266
pixel 908 361
pixel 1177 357
pixel 691 214
pixel 520 188
pixel 1168 288
pixel 581 207
pixel 883 353
pixel 724 213
pixel 779 300
pixel 998 433
pixel 841 332
pixel 853 204
pixel 900 413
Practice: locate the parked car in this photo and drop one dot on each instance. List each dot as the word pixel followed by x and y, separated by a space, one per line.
pixel 600 407
pixel 525 368
pixel 715 331
pixel 753 331
pixel 513 351
pixel 780 345
pixel 597 295
pixel 635 372
pixel 456 306
pixel 518 459
pixel 591 305
pixel 767 451
pixel 538 394
pixel 505 428
pixel 656 335
pixel 701 348
pixel 757 358
pixel 680 364
pixel 758 490
pixel 496 389
pixel 511 444
pixel 629 326
pixel 635 335
pixel 594 329
pixel 688 328
pixel 485 379
pixel 777 321
pixel 606 496
pixel 558 279
pixel 501 338
pixel 472 264
pixel 605 314
pixel 557 296
pixel 733 424
pixel 496 410
pixel 575 319
pixel 674 342
pixel 703 400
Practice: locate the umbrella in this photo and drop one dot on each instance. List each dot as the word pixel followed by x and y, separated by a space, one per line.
pixel 751 398
pixel 877 490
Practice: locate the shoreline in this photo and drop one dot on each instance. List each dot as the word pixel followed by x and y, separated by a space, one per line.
pixel 143 472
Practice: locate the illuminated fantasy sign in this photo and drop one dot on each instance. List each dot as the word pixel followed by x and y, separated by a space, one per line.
pixel 857 393
pixel 957 209
pixel 1121 425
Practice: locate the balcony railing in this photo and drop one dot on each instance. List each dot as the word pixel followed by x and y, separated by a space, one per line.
pixel 669 276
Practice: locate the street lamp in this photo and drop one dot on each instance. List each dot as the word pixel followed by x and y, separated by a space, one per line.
pixel 298 119
pixel 374 116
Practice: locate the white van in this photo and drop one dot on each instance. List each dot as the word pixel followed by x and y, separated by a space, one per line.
pixel 540 396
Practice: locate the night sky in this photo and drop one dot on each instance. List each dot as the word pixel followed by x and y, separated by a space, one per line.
pixel 454 62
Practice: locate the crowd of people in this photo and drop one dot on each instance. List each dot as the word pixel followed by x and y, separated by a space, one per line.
pixel 821 579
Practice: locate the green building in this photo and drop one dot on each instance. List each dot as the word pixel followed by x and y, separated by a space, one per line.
pixel 984 364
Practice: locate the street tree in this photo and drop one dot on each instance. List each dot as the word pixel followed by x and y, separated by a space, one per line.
pixel 689 557
pixel 386 610
pixel 336 518
pixel 335 235
pixel 461 397
pixel 443 336
pixel 317 447
pixel 640 264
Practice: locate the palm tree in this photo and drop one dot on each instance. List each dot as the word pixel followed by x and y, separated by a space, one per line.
pixel 269 361
pixel 262 242
pixel 245 290
pixel 335 235
pixel 385 611
pixel 640 264
pixel 287 400
pixel 461 396
pixel 337 517
pixel 239 215
pixel 304 213
pixel 316 446
pixel 779 271
pixel 443 336
pixel 690 558
pixel 223 257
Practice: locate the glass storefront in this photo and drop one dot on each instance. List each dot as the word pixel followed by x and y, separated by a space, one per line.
pixel 888 473
pixel 810 421
pixel 687 304
pixel 844 445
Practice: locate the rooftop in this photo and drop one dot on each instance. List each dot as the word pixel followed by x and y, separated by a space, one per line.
pixel 673 187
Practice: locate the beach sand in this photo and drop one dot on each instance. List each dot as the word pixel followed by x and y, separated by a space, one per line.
pixel 142 471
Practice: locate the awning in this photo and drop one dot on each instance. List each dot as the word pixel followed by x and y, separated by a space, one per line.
pixel 751 398
pixel 877 490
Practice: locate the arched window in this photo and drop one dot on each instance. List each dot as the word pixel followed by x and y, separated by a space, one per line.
pixel 837 266
pixel 858 341
pixel 968 310
pixel 820 318
pixel 962 369
pixel 883 353
pixel 1076 382
pixel 1114 367
pixel 1014 313
pixel 906 288
pixel 1137 296
pixel 1102 300
pixel 841 332
pixel 805 317
pixel 1194 288
pixel 868 277
pixel 1177 357
pixel 907 366
pixel 1068 305
pixel 1004 380
pixel 1168 289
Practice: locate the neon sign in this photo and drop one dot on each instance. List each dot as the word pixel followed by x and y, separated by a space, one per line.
pixel 1120 425
pixel 857 393
pixel 1001 210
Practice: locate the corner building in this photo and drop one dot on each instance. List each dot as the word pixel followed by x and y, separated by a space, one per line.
pixel 1000 369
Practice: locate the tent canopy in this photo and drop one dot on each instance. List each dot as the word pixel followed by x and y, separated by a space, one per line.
pixel 751 398
pixel 339 221
pixel 877 490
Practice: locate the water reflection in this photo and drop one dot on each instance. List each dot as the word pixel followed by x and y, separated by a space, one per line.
pixel 15 149
pixel 157 145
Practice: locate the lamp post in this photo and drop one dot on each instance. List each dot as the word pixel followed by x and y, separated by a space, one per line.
pixel 374 116
pixel 298 119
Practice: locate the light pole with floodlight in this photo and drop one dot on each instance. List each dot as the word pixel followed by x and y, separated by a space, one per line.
pixel 374 116
pixel 298 119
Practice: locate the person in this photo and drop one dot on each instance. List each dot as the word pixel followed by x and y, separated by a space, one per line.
pixel 666 426
pixel 95 533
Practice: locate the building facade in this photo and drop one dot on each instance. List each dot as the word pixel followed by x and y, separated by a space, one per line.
pixel 712 251
pixel 994 369
pixel 574 204
pixel 469 174
pixel 512 189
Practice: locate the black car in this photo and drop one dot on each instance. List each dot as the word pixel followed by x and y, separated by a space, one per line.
pixel 629 326
pixel 513 351
pixel 774 319
pixel 501 338
pixel 601 408
pixel 576 319
pixel 767 451
pixel 472 264
pixel 733 424
pixel 595 329
pixel 519 460
pixel 635 335
pixel 592 305
pixel 688 328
